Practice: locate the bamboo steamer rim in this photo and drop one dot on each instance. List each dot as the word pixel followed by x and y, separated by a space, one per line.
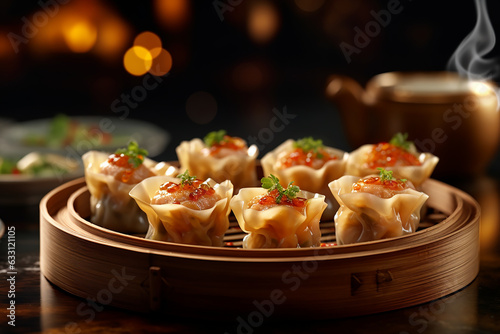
pixel 77 255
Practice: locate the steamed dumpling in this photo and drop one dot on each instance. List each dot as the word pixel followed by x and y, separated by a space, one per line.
pixel 375 207
pixel 185 209
pixel 110 178
pixel 276 217
pixel 220 157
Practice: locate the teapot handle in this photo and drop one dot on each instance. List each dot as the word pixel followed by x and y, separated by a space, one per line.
pixel 347 95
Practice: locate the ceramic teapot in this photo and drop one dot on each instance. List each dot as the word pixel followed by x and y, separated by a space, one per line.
pixel 452 117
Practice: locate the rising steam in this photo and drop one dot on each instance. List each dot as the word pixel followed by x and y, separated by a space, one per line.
pixel 468 60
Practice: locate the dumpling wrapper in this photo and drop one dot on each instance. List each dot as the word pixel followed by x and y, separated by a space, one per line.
pixel 308 178
pixel 110 204
pixel 180 224
pixel 238 168
pixel 416 174
pixel 280 226
pixel 367 217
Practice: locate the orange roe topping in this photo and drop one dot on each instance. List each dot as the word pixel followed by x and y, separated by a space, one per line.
pixel 124 170
pixel 196 189
pixel 126 164
pixel 395 185
pixel 268 200
pixel 228 142
pixel 120 160
pixel 190 192
pixel 299 157
pixel 388 155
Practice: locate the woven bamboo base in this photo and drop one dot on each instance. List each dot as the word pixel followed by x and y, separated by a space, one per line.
pixel 333 281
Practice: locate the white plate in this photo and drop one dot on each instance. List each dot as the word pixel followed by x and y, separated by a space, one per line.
pixel 29 190
pixel 147 135
pixel 24 189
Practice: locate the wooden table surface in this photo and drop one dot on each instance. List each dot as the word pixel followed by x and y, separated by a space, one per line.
pixel 41 307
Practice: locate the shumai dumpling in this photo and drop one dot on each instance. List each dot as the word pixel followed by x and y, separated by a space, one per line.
pixel 398 155
pixel 375 207
pixel 110 178
pixel 220 157
pixel 308 163
pixel 276 217
pixel 185 209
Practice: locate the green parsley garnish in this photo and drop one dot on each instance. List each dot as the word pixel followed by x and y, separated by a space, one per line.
pixel 386 175
pixel 186 178
pixel 308 144
pixel 400 140
pixel 272 182
pixel 214 137
pixel 134 152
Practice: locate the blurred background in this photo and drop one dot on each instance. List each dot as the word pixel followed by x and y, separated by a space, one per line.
pixel 220 64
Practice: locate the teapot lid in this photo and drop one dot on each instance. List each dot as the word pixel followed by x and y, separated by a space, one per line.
pixel 427 87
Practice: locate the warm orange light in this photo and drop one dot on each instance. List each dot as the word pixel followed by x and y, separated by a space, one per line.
pixel 149 41
pixel 83 26
pixel 80 36
pixel 51 38
pixel 146 55
pixel 263 22
pixel 309 5
pixel 137 60
pixel 113 37
pixel 172 14
pixel 161 63
pixel 6 49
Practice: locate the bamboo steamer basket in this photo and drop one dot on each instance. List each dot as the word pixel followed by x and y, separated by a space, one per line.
pixel 149 276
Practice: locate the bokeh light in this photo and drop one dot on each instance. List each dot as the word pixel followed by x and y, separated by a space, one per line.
pixel 137 60
pixel 201 107
pixel 309 5
pixel 149 41
pixel 263 22
pixel 84 26
pixel 114 34
pixel 156 59
pixel 162 63
pixel 172 14
pixel 6 50
pixel 80 36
